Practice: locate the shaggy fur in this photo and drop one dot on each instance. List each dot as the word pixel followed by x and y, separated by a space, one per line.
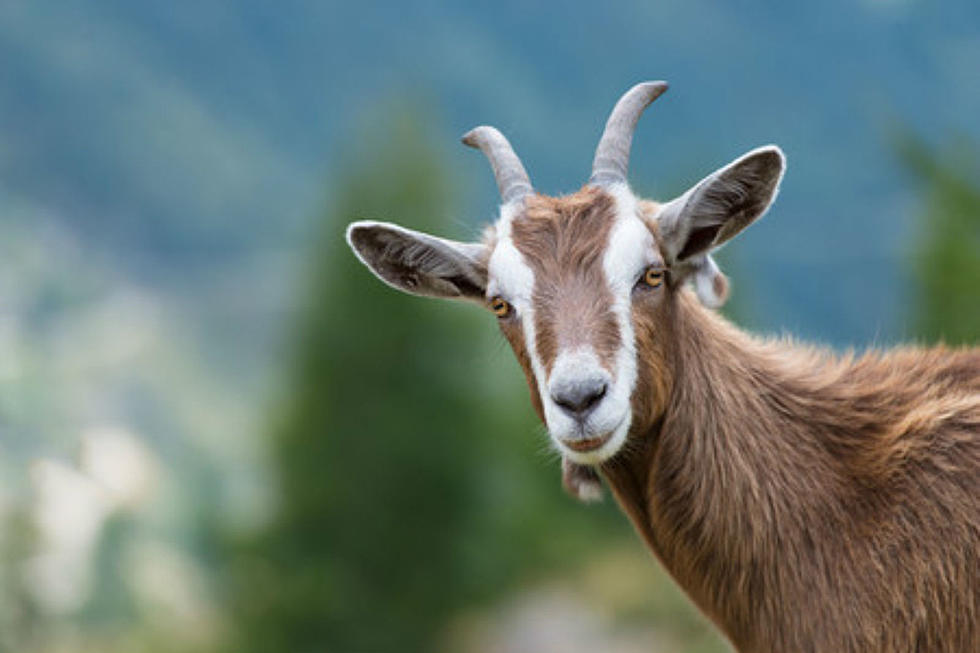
pixel 808 502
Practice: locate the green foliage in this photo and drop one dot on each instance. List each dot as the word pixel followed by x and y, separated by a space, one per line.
pixel 371 449
pixel 947 254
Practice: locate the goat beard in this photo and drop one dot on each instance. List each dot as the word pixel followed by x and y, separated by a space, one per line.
pixel 581 481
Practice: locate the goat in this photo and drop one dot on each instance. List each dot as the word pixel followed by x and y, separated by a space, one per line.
pixel 804 500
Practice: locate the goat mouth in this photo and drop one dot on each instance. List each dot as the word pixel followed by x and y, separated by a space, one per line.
pixel 585 445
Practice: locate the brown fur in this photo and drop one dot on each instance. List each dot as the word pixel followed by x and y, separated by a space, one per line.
pixel 562 239
pixel 805 501
pixel 514 333
pixel 808 502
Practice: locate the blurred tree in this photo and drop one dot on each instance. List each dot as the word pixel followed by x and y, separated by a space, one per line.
pixel 21 623
pixel 946 301
pixel 371 446
pixel 112 606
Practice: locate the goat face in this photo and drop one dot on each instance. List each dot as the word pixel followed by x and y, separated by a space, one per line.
pixel 559 278
pixel 582 285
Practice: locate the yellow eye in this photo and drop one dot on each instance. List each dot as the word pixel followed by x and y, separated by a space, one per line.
pixel 653 277
pixel 499 307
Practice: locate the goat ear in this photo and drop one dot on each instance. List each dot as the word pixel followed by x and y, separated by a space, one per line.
pixel 720 205
pixel 418 263
pixel 709 283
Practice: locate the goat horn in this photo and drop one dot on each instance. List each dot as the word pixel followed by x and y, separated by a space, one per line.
pixel 612 156
pixel 512 179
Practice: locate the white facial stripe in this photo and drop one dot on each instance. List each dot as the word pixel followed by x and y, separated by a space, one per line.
pixel 629 250
pixel 630 247
pixel 510 277
pixel 513 279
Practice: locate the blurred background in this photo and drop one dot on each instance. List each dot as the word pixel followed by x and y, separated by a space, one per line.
pixel 219 433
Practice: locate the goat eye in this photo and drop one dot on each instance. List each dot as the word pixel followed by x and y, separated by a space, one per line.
pixel 499 307
pixel 653 276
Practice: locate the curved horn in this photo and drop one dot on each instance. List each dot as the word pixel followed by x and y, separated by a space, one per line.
pixel 612 156
pixel 512 179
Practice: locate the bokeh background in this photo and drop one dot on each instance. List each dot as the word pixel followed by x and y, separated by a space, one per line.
pixel 219 433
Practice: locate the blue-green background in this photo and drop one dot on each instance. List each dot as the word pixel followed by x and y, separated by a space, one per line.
pixel 174 182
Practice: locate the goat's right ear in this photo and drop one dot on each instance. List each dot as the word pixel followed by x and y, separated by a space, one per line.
pixel 418 263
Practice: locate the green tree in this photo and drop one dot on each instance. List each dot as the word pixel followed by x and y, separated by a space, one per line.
pixel 21 622
pixel 371 445
pixel 946 299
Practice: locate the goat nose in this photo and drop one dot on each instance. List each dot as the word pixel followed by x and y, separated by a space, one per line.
pixel 578 397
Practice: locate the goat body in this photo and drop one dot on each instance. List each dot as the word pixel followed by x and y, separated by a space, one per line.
pixel 811 503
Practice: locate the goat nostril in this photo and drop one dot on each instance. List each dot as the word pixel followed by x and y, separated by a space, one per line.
pixel 580 398
pixel 596 396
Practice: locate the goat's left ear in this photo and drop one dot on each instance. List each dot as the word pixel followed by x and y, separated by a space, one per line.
pixel 418 263
pixel 720 206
